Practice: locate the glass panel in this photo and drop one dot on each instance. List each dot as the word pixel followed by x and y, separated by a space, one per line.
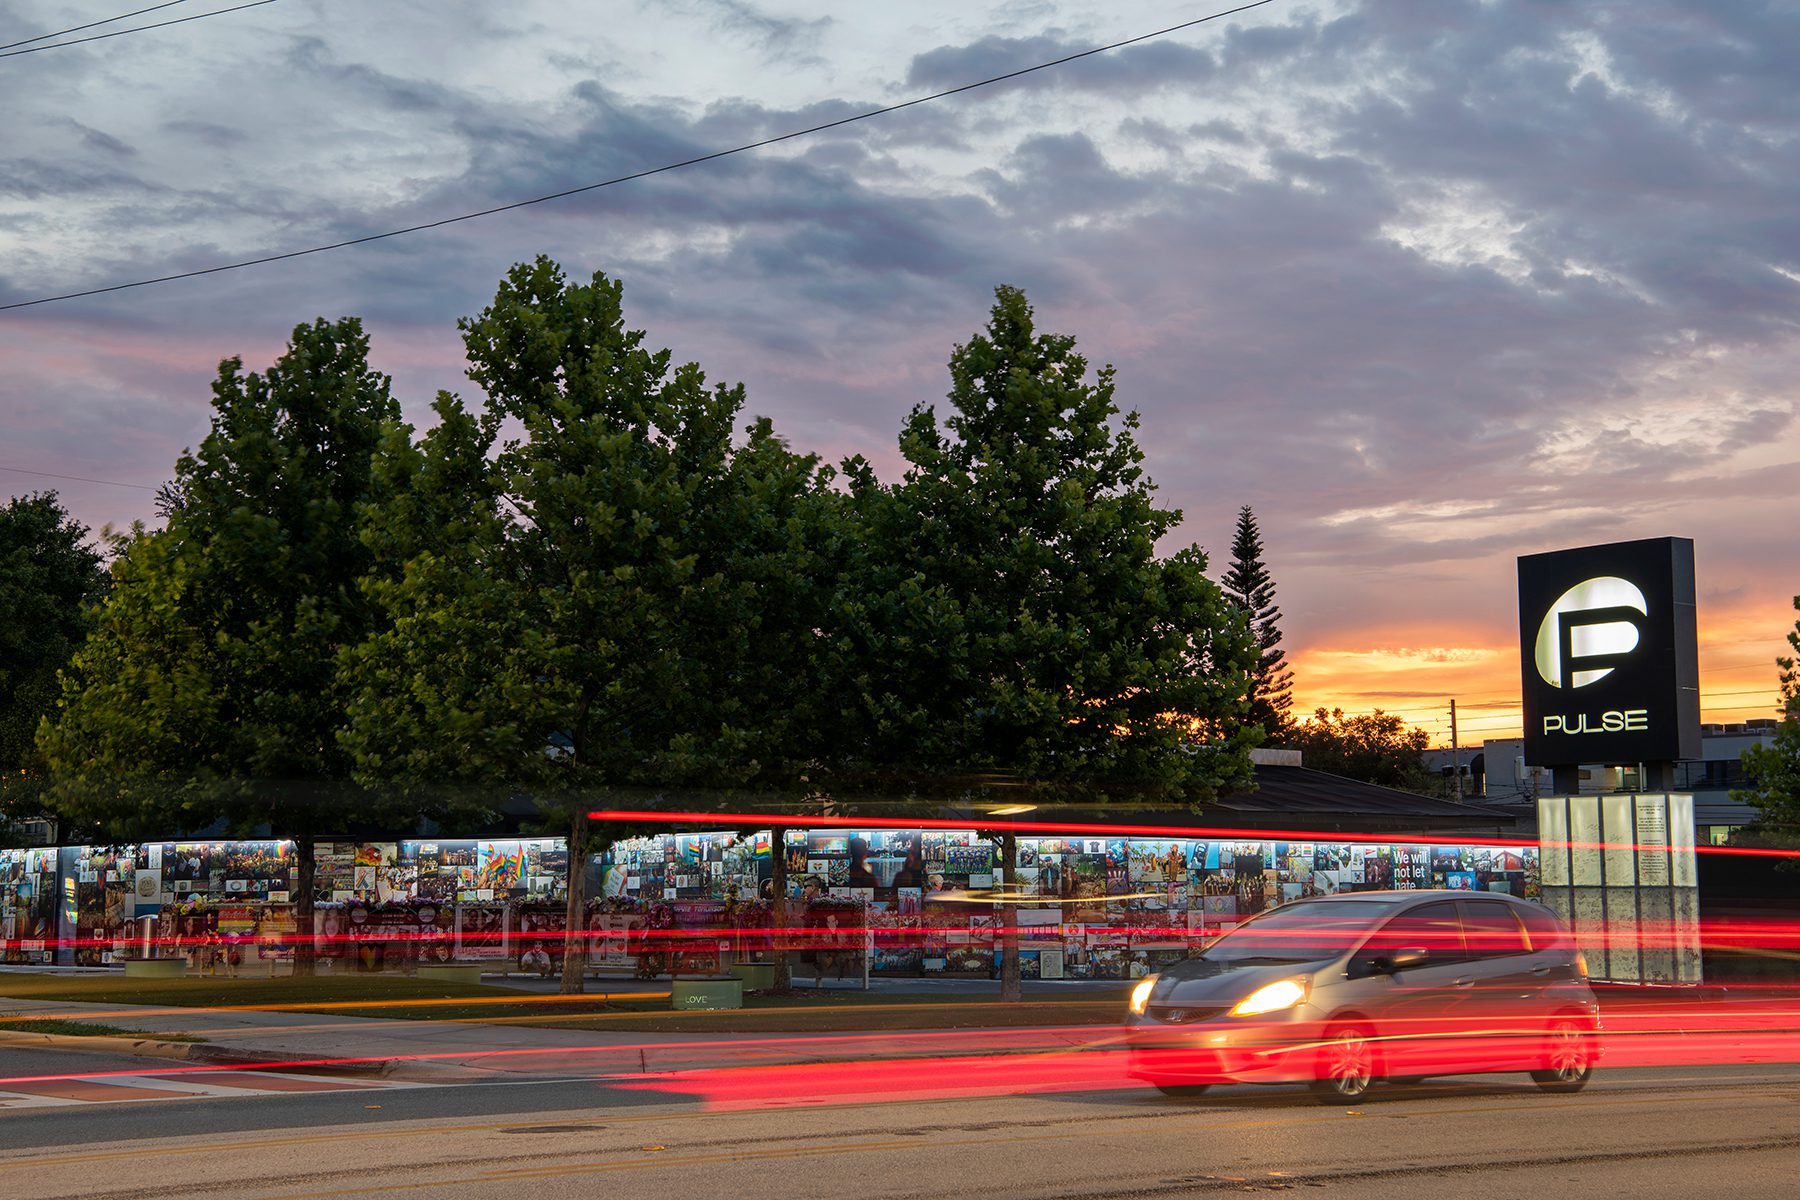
pixel 1492 930
pixel 1545 930
pixel 1435 928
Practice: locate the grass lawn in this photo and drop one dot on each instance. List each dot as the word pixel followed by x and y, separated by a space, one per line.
pixel 399 997
pixel 87 1029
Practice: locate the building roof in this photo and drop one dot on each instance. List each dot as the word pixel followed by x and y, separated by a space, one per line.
pixel 1302 798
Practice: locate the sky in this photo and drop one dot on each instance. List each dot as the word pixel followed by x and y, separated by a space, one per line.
pixel 1428 284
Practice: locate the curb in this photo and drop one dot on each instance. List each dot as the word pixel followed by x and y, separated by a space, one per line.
pixel 198 1052
pixel 140 1047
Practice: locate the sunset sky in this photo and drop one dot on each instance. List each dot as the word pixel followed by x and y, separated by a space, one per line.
pixel 1428 284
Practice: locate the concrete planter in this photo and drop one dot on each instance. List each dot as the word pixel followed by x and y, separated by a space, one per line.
pixel 452 972
pixel 712 992
pixel 155 968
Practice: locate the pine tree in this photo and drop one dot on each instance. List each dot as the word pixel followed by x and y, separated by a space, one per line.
pixel 1247 585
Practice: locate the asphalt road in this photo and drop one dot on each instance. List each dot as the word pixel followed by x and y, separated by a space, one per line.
pixel 1649 1133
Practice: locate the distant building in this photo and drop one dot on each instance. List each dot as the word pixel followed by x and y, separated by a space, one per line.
pixel 1496 774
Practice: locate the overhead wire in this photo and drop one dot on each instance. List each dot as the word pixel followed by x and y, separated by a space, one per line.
pixel 44 37
pixel 712 156
pixel 99 37
pixel 142 487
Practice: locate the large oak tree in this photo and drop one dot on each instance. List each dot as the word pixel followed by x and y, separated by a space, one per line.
pixel 208 695
pixel 1774 770
pixel 589 587
pixel 50 577
pixel 1008 614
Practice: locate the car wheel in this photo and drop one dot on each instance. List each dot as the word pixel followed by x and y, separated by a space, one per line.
pixel 1346 1066
pixel 1569 1059
pixel 1183 1089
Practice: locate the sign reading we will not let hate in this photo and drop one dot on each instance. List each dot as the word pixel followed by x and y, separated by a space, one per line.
pixel 1609 654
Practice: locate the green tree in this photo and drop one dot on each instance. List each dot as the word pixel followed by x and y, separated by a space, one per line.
pixel 207 694
pixel 589 589
pixel 50 577
pixel 1774 770
pixel 1378 748
pixel 1248 586
pixel 1007 614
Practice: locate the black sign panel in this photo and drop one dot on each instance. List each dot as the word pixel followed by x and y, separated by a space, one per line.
pixel 1609 654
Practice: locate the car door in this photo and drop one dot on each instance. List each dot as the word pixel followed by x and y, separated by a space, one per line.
pixel 1506 1005
pixel 1419 1011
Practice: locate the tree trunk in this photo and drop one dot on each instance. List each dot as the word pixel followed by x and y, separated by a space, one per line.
pixel 574 971
pixel 778 910
pixel 1009 918
pixel 307 859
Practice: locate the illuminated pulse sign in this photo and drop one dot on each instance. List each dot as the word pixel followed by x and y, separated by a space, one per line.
pixel 1610 664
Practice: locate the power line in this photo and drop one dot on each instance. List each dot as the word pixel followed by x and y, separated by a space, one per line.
pixel 44 37
pixel 98 37
pixel 77 478
pixel 605 183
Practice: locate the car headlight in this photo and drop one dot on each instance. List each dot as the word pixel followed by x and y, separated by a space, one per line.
pixel 1140 995
pixel 1274 997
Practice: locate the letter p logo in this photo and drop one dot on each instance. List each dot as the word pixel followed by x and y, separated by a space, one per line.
pixel 1591 629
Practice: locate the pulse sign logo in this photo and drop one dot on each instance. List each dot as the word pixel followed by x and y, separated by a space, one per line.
pixel 1592 628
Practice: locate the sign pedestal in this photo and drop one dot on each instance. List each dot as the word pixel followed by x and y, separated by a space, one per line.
pixel 1620 869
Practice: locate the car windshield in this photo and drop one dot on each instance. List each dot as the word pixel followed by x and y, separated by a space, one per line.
pixel 1297 933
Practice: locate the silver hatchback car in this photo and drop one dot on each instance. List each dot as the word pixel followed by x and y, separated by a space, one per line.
pixel 1343 991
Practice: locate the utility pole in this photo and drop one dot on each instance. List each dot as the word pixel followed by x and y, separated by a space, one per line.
pixel 1455 754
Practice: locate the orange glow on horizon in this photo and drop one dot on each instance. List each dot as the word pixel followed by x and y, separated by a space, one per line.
pixel 1414 673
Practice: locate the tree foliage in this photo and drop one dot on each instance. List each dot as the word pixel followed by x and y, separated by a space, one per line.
pixel 1248 585
pixel 602 579
pixel 588 586
pixel 1774 770
pixel 1378 748
pixel 1007 609
pixel 50 576
pixel 207 695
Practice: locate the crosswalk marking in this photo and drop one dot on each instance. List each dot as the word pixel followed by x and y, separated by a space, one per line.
pixel 198 1085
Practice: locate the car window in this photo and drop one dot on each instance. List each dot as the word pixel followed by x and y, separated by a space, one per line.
pixel 1305 932
pixel 1544 928
pixel 1491 930
pixel 1434 928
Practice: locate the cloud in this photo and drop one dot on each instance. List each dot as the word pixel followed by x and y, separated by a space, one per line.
pixel 1429 285
pixel 1131 70
pixel 784 38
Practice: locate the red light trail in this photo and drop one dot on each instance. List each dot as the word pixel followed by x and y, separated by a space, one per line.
pixel 1151 833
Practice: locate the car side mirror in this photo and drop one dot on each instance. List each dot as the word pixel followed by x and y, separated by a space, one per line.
pixel 1400 960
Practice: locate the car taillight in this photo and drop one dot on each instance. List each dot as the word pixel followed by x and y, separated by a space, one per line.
pixel 1581 964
